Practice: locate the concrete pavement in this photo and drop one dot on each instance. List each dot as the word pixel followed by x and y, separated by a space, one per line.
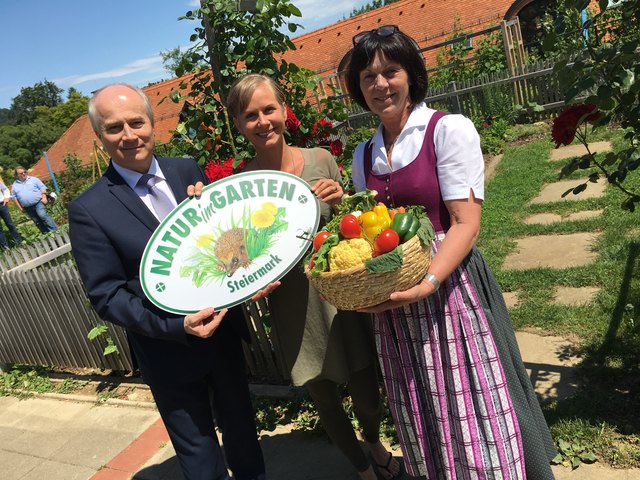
pixel 48 437
pixel 54 439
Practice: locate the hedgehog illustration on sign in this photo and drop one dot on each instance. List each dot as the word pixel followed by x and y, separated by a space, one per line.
pixel 231 251
pixel 218 255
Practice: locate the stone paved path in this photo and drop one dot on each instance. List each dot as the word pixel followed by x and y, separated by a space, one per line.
pixel 559 251
pixel 552 251
pixel 549 218
pixel 571 151
pixel 552 192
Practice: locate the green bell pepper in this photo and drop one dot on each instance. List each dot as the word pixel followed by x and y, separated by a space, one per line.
pixel 405 225
pixel 413 228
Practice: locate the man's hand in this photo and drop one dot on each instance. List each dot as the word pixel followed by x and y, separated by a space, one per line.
pixel 5 201
pixel 44 198
pixel 195 190
pixel 265 291
pixel 203 323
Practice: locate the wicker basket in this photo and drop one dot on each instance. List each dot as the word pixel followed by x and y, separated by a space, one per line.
pixel 356 287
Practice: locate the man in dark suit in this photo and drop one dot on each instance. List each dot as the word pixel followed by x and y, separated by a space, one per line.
pixel 193 364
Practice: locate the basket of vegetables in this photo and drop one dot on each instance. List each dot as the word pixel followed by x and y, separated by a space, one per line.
pixel 366 252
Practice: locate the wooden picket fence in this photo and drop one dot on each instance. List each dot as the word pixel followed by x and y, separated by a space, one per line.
pixel 45 317
pixel 536 84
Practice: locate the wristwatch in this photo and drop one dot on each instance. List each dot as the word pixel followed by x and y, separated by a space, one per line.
pixel 430 277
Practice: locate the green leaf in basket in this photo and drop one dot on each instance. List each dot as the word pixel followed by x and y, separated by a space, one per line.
pixel 321 257
pixel 426 233
pixel 388 262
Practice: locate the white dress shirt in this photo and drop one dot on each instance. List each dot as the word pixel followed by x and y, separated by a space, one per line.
pixel 132 177
pixel 5 194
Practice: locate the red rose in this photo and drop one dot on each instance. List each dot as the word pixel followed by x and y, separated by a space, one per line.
pixel 565 125
pixel 324 133
pixel 292 123
pixel 215 171
pixel 335 147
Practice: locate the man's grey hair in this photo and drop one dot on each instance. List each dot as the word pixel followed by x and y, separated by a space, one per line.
pixel 94 117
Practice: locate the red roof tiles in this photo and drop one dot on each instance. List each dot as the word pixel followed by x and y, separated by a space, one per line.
pixel 427 21
pixel 79 138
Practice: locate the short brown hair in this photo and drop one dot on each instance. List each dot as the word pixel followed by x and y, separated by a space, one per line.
pixel 401 49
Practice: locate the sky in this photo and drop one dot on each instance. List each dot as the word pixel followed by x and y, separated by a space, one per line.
pixel 86 44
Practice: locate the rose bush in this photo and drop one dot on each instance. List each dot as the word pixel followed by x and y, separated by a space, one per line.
pixel 576 121
pixel 236 42
pixel 565 126
pixel 605 73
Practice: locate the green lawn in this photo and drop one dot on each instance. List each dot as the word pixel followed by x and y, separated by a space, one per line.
pixel 602 416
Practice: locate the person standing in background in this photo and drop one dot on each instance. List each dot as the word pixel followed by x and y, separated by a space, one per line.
pixel 31 196
pixel 5 197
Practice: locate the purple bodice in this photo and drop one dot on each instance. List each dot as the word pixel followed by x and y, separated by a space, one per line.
pixel 414 184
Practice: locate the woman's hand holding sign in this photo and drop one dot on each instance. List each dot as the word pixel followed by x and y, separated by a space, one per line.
pixel 203 323
pixel 328 191
pixel 265 291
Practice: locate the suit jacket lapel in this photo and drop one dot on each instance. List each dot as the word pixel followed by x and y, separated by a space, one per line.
pixel 174 179
pixel 119 188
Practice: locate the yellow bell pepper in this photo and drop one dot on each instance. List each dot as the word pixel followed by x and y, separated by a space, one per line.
pixel 372 224
pixel 382 212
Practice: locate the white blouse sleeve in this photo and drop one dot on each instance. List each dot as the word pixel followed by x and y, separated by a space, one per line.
pixel 357 168
pixel 460 162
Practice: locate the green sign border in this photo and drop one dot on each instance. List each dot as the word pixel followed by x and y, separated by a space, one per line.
pixel 186 202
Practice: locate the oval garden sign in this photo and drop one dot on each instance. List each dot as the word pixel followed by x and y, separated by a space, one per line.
pixel 244 232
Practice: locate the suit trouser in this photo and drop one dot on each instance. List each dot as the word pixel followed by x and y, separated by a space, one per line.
pixel 187 413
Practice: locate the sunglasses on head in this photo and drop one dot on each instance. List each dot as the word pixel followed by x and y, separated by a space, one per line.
pixel 384 32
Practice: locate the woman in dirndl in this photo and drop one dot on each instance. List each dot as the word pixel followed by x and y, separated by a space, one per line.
pixel 461 399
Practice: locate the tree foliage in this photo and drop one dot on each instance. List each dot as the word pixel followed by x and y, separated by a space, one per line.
pixel 370 6
pixel 74 179
pixel 234 43
pixel 567 19
pixel 457 62
pixel 606 75
pixel 175 60
pixel 23 143
pixel 42 94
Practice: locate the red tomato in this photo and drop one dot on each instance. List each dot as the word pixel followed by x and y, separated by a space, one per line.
pixel 349 227
pixel 312 261
pixel 319 239
pixel 386 241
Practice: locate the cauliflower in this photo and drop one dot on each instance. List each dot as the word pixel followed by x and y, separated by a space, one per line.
pixel 349 253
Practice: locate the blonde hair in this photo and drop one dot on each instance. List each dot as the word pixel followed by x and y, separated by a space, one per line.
pixel 243 88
